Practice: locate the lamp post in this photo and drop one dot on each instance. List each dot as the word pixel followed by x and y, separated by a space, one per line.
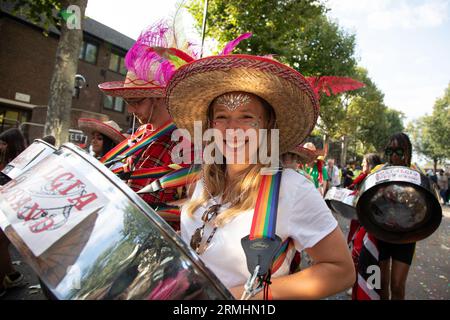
pixel 205 15
pixel 80 82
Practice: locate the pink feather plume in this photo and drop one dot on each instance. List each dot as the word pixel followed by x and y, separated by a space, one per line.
pixel 233 43
pixel 333 85
pixel 145 62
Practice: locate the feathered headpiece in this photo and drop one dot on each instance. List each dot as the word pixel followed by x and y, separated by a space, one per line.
pixel 333 85
pixel 158 52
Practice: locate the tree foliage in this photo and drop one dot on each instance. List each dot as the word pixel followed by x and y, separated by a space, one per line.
pixel 41 12
pixel 52 13
pixel 295 32
pixel 431 133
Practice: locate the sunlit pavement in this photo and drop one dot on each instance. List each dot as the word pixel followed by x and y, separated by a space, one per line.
pixel 428 278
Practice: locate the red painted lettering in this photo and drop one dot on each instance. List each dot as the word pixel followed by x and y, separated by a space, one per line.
pixel 65 191
pixel 56 182
pixel 82 201
pixel 19 204
pixel 42 225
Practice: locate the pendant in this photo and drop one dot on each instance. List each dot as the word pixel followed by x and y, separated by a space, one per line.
pixel 197 238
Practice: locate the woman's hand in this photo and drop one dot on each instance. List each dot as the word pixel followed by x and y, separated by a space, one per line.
pixel 333 272
pixel 237 293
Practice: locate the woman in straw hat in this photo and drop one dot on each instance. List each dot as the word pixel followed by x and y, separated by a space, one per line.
pixel 251 93
pixel 104 135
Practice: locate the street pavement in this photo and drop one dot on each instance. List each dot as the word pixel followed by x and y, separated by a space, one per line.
pixel 428 278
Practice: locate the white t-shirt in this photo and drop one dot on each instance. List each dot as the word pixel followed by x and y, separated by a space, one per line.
pixel 333 175
pixel 302 216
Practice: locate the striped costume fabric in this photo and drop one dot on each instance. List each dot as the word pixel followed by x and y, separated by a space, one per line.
pixel 365 254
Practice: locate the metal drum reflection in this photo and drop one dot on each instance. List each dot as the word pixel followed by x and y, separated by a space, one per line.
pixel 342 201
pixel 399 205
pixel 36 152
pixel 88 236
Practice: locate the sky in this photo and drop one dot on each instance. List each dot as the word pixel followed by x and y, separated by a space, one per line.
pixel 404 44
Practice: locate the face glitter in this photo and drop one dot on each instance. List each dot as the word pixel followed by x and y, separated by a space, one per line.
pixel 232 100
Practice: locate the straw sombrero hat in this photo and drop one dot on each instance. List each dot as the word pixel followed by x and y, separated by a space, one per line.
pixel 109 128
pixel 195 85
pixel 133 87
pixel 151 61
pixel 305 155
pixel 319 154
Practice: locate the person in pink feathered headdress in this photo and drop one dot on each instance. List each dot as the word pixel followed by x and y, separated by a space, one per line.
pixel 143 90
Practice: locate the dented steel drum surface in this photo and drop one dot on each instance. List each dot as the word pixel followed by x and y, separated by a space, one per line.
pixel 399 205
pixel 36 152
pixel 89 236
pixel 342 201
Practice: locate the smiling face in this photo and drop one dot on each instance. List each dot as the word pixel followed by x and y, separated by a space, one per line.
pixel 97 143
pixel 238 110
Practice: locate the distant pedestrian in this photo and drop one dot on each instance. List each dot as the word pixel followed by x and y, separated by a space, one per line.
pixel 12 143
pixel 442 181
pixel 50 140
pixel 333 174
pixel 348 177
pixel 104 135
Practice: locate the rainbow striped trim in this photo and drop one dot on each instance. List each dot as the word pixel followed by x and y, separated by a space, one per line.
pixel 180 177
pixel 168 127
pixel 156 172
pixel 287 245
pixel 265 214
pixel 169 213
pixel 122 149
pixel 122 146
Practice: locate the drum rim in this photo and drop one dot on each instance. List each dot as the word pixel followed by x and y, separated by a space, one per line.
pixel 155 218
pixel 352 216
pixel 368 182
pixel 331 200
pixel 34 141
pixel 434 219
pixel 44 142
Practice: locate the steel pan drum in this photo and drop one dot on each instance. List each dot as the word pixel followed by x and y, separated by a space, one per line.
pixel 342 201
pixel 89 236
pixel 399 205
pixel 36 152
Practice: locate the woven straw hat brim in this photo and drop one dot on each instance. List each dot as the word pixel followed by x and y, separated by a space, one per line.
pixel 195 85
pixel 305 155
pixel 117 89
pixel 92 125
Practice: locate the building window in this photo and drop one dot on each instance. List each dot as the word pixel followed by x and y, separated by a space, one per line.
pixel 88 52
pixel 114 103
pixel 117 64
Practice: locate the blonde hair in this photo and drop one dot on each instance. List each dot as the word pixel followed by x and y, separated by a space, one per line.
pixel 242 191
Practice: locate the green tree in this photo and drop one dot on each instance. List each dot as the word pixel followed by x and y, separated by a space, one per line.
pixel 69 24
pixel 363 122
pixel 431 133
pixel 295 32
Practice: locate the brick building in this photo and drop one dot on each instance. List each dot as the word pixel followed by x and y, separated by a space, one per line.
pixel 27 60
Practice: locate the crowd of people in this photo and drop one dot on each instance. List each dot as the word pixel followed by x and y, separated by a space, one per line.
pixel 228 202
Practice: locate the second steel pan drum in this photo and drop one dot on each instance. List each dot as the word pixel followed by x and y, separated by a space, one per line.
pixel 399 205
pixel 342 201
pixel 89 236
pixel 36 152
